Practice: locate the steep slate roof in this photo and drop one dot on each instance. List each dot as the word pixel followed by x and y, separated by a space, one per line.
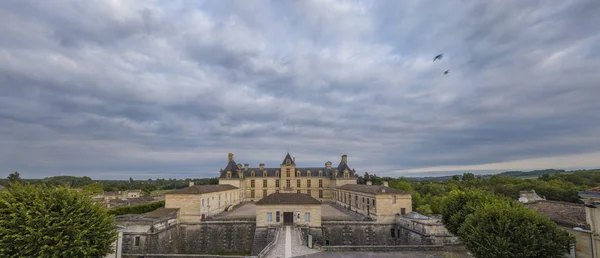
pixel 201 189
pixel 288 157
pixel 563 213
pixel 372 189
pixel 271 172
pixel 288 198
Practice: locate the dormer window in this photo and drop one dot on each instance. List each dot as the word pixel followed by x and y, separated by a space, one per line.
pixel 308 173
pixel 298 172
pixel 265 174
pixel 320 173
pixel 287 162
pixel 346 174
pixel 252 174
pixel 277 173
pixel 228 174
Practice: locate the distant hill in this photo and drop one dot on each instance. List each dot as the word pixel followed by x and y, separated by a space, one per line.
pixel 532 173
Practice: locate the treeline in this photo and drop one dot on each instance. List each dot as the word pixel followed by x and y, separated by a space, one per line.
pixel 428 195
pixel 98 186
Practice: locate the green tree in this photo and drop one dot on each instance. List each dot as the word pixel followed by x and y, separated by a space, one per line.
pixel 455 178
pixel 53 221
pixel 14 177
pixel 458 204
pixel 468 177
pixel 95 188
pixel 507 229
pixel 424 209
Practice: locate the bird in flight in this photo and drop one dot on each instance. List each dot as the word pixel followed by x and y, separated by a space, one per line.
pixel 438 57
pixel 446 72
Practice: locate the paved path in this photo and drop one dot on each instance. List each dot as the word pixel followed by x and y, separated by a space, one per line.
pixel 406 254
pixel 289 245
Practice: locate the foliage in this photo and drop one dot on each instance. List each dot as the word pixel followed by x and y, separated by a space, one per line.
pixel 14 177
pixel 424 209
pixel 507 229
pixel 458 204
pixel 94 188
pixel 137 209
pixel 50 221
pixel 72 181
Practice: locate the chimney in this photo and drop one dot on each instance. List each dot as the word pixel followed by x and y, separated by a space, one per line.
pixel 294 160
pixel 369 182
pixel 385 183
pixel 246 166
pixel 345 159
pixel 191 183
pixel 262 166
pixel 230 155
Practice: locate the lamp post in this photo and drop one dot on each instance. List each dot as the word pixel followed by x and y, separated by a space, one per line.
pixel 591 237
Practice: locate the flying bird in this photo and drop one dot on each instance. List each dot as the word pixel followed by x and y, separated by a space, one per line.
pixel 438 57
pixel 446 72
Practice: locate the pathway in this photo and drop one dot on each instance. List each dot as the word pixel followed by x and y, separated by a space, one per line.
pixel 289 245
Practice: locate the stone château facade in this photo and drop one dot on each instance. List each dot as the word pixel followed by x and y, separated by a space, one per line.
pixel 258 182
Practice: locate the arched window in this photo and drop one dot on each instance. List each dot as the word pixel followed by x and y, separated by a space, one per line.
pixel 228 174
pixel 346 174
pixel 252 174
pixel 298 172
pixel 264 173
pixel 308 173
pixel 320 173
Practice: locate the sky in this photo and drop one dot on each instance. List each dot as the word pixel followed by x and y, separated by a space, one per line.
pixel 166 89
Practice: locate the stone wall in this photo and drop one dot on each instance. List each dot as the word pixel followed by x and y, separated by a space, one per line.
pixel 204 237
pixel 373 233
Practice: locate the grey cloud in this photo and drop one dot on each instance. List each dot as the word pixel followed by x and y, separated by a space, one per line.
pixel 167 89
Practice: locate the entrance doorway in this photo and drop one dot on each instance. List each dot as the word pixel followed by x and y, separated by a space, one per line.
pixel 288 218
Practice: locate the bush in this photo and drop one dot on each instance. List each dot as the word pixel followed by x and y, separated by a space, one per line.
pixel 458 204
pixel 424 209
pixel 137 209
pixel 508 229
pixel 48 221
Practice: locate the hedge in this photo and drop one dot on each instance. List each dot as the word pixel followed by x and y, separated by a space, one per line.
pixel 137 209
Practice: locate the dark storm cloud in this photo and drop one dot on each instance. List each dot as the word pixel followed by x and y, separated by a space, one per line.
pixel 112 89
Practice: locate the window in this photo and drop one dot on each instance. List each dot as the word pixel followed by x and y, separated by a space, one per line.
pixel 356 201
pixel 277 216
pixel 264 193
pixel 393 199
pixel 277 173
pixel 308 173
pixel 252 174
pixel 202 202
pixel 307 217
pixel 373 202
pixel 269 216
pixel 403 211
pixel 298 173
pixel 320 193
pixel 251 193
pixel 287 183
pixel 297 191
pixel 265 174
pixel 393 231
pixel 264 183
pixel 320 173
pixel 308 183
pixel 309 192
pixel 346 174
pixel 277 183
pixel 137 241
pixel 228 174
pixel 252 183
pixel 287 172
pixel 298 183
pixel 320 183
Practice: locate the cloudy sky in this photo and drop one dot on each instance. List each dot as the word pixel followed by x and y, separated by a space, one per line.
pixel 112 89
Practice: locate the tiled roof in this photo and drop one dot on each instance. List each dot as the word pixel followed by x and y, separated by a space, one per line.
pixel 288 198
pixel 201 189
pixel 563 213
pixel 372 189
pixel 594 190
